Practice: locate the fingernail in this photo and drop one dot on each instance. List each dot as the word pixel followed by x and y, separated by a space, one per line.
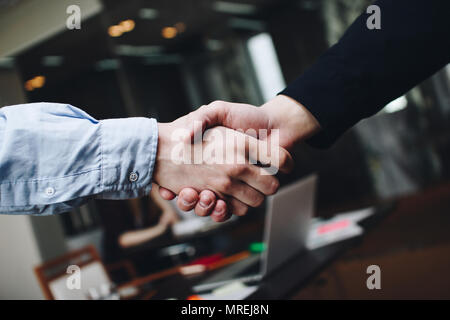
pixel 220 217
pixel 218 212
pixel 187 203
pixel 205 202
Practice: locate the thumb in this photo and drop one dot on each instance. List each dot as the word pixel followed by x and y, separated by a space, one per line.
pixel 166 194
pixel 209 116
pixel 237 116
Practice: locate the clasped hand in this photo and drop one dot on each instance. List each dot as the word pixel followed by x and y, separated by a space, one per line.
pixel 222 158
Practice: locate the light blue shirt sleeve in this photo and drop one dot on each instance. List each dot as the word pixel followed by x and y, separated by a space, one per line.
pixel 54 157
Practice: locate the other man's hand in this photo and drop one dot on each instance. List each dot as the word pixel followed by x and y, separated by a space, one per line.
pixel 292 119
pixel 238 183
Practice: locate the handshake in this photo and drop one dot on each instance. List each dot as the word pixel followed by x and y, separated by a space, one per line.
pixel 223 157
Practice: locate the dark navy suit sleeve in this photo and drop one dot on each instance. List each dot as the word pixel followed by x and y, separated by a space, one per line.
pixel 368 68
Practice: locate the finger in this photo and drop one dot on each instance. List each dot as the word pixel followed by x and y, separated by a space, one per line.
pixel 228 114
pixel 236 207
pixel 166 194
pixel 187 199
pixel 242 192
pixel 255 177
pixel 220 212
pixel 286 163
pixel 264 152
pixel 207 116
pixel 213 114
pixel 206 203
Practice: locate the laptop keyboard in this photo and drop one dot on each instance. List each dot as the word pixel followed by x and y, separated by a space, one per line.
pixel 247 270
pixel 213 285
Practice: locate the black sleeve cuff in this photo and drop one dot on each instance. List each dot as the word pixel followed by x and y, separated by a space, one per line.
pixel 324 91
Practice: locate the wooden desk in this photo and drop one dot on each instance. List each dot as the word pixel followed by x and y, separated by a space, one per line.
pixel 410 241
pixel 411 246
pixel 296 273
pixel 302 269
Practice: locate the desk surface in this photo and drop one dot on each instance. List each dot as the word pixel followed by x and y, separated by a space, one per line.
pixel 281 285
pixel 301 269
pixel 411 247
pixel 413 236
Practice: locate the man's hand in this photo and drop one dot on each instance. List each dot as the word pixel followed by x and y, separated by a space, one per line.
pixel 294 122
pixel 238 184
pixel 292 119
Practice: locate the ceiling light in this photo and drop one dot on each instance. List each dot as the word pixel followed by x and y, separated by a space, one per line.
pixel 29 86
pixel 127 25
pixel 234 8
pixel 107 64
pixel 6 62
pixel 246 24
pixel 138 51
pixel 180 26
pixel 38 82
pixel 214 45
pixel 124 26
pixel 52 61
pixel 115 31
pixel 35 83
pixel 148 13
pixel 169 32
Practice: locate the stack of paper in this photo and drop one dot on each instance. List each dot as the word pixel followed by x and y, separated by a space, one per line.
pixel 340 227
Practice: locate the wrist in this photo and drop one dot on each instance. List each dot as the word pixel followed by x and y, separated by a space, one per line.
pixel 162 153
pixel 172 155
pixel 290 115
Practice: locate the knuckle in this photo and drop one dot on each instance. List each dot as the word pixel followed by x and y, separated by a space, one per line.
pixel 259 199
pixel 269 185
pixel 237 208
pixel 237 170
pixel 243 169
pixel 254 198
pixel 225 184
pixel 242 211
pixel 274 185
pixel 283 158
pixel 217 104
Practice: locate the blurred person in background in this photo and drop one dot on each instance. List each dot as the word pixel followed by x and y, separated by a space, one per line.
pixel 134 222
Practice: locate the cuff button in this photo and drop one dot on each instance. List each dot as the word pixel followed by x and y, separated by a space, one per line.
pixel 49 192
pixel 134 176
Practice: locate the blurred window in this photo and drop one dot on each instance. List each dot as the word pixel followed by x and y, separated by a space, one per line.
pixel 266 65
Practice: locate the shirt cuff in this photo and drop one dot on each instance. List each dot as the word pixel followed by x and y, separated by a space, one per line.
pixel 128 153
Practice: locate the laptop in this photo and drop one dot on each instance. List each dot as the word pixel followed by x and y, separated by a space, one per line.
pixel 286 227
